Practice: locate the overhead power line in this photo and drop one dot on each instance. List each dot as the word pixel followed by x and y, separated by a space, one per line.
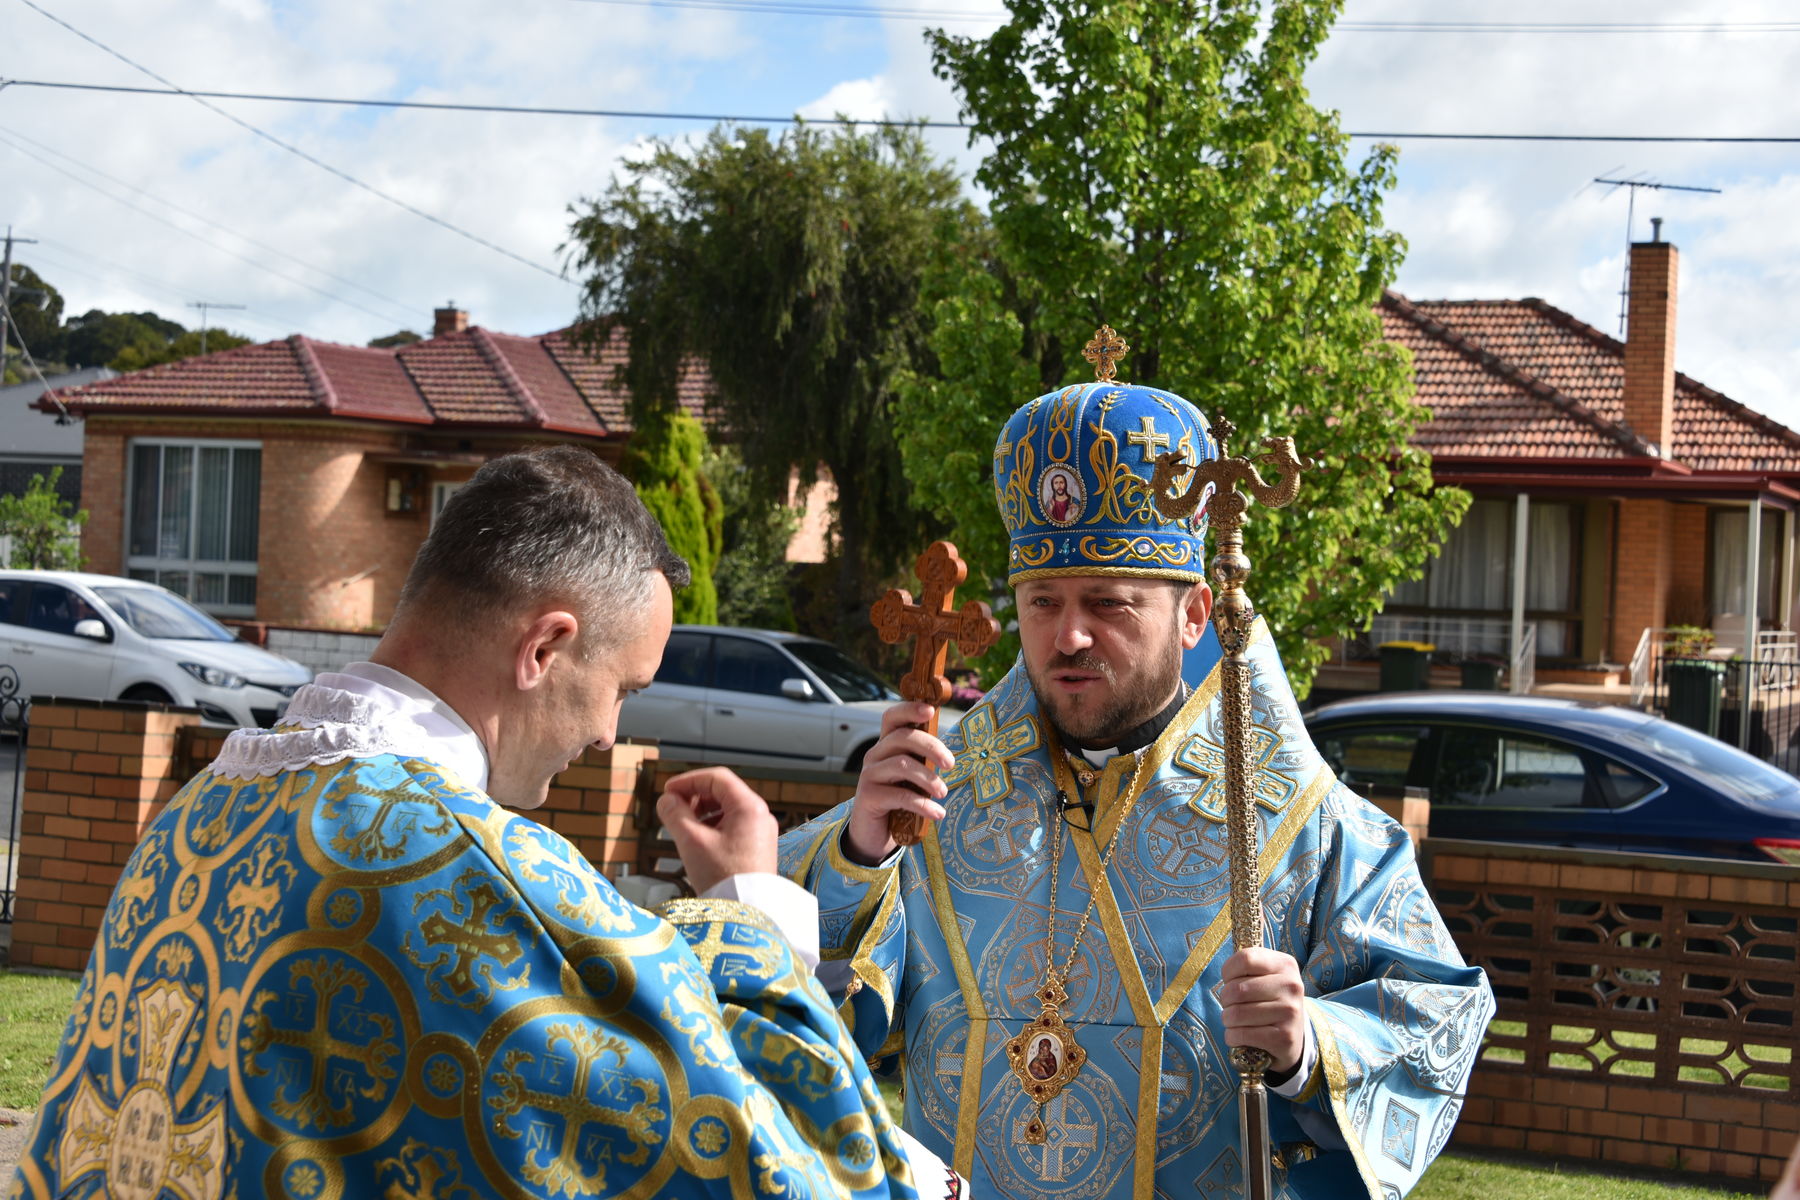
pixel 881 12
pixel 445 106
pixel 400 305
pixel 637 114
pixel 186 232
pixel 278 326
pixel 295 150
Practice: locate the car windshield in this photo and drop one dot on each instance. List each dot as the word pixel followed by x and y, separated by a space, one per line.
pixel 842 674
pixel 1727 768
pixel 159 614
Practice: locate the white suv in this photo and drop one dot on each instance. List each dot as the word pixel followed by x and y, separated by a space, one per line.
pixel 100 637
pixel 753 697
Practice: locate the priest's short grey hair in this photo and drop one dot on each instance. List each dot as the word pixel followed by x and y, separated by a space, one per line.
pixel 547 525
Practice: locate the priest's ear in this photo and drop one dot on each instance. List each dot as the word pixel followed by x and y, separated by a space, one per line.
pixel 1196 610
pixel 549 634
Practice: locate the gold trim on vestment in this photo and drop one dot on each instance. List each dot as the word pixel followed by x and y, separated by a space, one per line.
pixel 686 909
pixel 1143 1183
pixel 803 869
pixel 974 1051
pixel 1331 1064
pixel 1118 941
pixel 1299 813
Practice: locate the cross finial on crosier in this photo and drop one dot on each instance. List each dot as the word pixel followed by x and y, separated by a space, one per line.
pixel 1104 350
pixel 934 625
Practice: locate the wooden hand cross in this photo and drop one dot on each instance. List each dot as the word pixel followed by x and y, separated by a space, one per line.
pixel 935 625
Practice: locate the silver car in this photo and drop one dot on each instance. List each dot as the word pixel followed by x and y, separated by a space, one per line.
pixel 755 697
pixel 100 637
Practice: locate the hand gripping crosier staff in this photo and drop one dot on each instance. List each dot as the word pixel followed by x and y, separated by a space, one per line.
pixel 1233 615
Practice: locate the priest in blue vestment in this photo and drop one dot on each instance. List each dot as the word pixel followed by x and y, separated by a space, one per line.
pixel 334 966
pixel 1053 964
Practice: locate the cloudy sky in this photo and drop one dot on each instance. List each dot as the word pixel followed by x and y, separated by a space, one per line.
pixel 140 201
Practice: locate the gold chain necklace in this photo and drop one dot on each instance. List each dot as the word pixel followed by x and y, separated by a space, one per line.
pixel 1044 1055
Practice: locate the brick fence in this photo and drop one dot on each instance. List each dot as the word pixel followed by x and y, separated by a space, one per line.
pixel 1647 1008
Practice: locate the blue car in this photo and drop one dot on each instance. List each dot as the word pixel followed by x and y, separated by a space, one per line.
pixel 1560 773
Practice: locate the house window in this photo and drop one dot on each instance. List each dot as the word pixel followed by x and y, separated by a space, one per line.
pixel 1729 543
pixel 440 496
pixel 1472 576
pixel 191 520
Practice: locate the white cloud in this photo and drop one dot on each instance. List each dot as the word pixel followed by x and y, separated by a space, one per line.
pixel 1481 219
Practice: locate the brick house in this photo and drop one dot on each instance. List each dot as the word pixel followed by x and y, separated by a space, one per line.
pixel 291 482
pixel 1613 495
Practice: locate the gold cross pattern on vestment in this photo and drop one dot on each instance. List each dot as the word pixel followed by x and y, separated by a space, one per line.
pixel 138 1147
pixel 986 751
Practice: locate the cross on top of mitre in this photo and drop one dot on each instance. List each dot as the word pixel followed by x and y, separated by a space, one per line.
pixel 1104 350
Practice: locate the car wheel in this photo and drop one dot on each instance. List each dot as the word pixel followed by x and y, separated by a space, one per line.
pixel 147 692
pixel 853 764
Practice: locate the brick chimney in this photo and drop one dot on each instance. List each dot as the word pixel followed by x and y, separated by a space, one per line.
pixel 451 319
pixel 1650 341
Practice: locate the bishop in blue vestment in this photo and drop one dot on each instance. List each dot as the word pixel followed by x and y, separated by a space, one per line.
pixel 1053 965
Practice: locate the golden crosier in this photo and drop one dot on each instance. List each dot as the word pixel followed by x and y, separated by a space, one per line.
pixel 1233 616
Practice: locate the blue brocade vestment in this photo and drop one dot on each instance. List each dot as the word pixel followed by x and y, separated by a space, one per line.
pixel 943 952
pixel 365 979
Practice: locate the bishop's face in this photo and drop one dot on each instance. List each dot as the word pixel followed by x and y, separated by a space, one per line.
pixel 1104 652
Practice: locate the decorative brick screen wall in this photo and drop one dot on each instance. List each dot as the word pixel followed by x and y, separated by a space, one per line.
pixel 1647 1008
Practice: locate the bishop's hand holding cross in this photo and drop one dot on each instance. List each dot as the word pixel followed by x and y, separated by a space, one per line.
pixel 900 787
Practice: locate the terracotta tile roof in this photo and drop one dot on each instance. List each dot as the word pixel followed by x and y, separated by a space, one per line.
pixel 1524 379
pixel 473 378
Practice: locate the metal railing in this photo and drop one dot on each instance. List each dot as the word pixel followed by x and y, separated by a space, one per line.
pixel 1522 674
pixel 14 712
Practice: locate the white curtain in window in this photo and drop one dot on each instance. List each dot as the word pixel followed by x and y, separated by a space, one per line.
pixel 1550 558
pixel 1550 573
pixel 1730 542
pixel 1475 567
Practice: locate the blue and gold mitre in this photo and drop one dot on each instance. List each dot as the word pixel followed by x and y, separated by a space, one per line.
pixel 1072 472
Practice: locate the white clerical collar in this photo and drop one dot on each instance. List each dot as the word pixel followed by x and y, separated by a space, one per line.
pixel 1098 758
pixel 445 738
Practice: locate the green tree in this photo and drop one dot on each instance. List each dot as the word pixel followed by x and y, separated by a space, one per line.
pixel 791 268
pixel 662 460
pixel 401 337
pixel 137 356
pixel 1156 166
pixel 45 533
pixel 97 338
pixel 37 317
pixel 753 573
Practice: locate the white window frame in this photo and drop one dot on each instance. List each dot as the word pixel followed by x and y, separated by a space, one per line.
pixel 441 491
pixel 140 566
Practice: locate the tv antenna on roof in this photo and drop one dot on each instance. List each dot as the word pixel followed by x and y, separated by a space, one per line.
pixel 205 306
pixel 1632 185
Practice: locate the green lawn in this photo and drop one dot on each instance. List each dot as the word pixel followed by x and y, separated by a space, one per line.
pixel 1460 1177
pixel 33 1011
